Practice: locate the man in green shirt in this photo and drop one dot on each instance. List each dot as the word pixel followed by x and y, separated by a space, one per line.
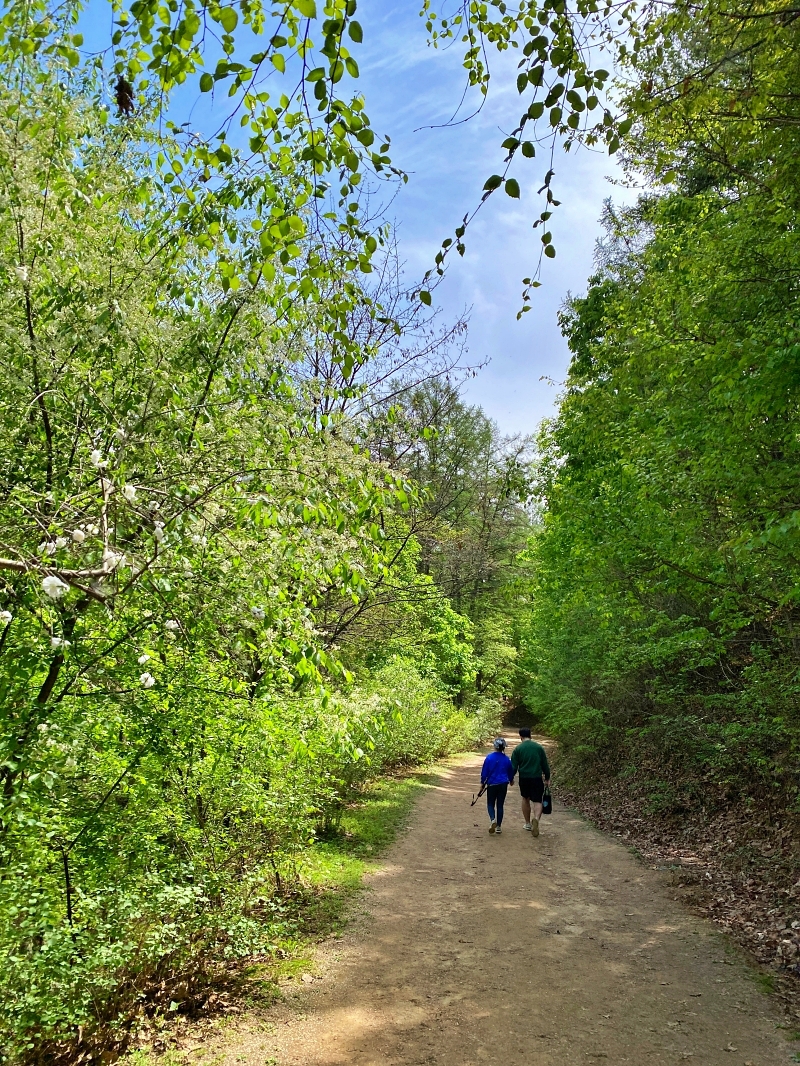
pixel 529 760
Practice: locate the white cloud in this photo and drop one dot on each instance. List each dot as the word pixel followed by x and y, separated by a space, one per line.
pixel 407 86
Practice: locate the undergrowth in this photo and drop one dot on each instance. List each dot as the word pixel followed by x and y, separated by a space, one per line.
pixel 329 874
pixel 334 868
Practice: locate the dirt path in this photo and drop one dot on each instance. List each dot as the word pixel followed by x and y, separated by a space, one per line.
pixel 479 949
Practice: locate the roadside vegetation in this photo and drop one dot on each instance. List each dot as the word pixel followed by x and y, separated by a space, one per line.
pixel 661 647
pixel 229 475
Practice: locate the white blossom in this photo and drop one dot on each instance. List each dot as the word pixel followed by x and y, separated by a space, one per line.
pixel 97 460
pixel 71 764
pixel 158 531
pixel 54 587
pixel 171 625
pixel 93 530
pixel 43 727
pixel 5 617
pixel 22 274
pixel 61 542
pixel 78 536
pixel 129 492
pixel 58 642
pixel 47 547
pixel 257 612
pixel 147 680
pixel 119 433
pixel 143 659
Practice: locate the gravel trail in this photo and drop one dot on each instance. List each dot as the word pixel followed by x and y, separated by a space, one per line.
pixel 473 949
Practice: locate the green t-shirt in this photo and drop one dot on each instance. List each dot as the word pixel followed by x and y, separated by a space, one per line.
pixel 529 759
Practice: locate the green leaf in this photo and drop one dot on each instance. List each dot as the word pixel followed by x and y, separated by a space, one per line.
pixel 493 183
pixel 278 62
pixel 425 297
pixel 512 188
pixel 536 76
pixel 228 18
pixel 550 251
pixel 307 8
pixel 206 83
pixel 355 32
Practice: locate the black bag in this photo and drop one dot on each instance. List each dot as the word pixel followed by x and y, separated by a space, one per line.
pixel 547 802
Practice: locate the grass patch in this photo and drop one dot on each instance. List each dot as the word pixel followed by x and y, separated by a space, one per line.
pixel 766 982
pixel 335 866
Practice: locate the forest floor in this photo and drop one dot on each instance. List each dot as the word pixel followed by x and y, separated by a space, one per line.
pixel 469 948
pixel 738 867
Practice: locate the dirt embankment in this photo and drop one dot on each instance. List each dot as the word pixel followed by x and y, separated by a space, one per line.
pixel 741 869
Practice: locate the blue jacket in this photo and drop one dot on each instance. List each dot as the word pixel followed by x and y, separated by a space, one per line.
pixel 497 769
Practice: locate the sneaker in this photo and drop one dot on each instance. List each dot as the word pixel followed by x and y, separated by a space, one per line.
pixel 493 827
pixel 527 826
pixel 498 831
pixel 535 827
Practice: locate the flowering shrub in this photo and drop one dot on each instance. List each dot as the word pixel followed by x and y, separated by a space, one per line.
pixel 175 516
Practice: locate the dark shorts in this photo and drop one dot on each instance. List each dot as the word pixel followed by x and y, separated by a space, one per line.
pixel 531 788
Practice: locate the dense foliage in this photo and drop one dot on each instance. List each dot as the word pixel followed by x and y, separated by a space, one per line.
pixel 214 627
pixel 662 642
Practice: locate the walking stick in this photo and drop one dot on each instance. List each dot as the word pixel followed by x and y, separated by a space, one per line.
pixel 476 798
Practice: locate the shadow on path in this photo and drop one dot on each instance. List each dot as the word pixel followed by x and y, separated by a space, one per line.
pixel 476 949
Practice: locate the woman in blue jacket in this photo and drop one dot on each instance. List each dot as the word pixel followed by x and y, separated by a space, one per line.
pixel 496 773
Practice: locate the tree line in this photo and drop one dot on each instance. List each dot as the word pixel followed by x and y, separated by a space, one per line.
pixel 248 544
pixel 662 640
